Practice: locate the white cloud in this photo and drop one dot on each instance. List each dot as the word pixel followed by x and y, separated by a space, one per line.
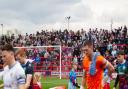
pixel 31 15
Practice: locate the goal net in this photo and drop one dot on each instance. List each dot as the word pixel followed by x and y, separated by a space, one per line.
pixel 46 59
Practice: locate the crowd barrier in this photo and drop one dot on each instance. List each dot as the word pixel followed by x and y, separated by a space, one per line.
pixel 55 73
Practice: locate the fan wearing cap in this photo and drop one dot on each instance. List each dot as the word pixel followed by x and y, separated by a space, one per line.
pixel 122 71
pixel 72 77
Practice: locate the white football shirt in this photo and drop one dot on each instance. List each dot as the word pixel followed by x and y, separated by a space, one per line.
pixel 13 76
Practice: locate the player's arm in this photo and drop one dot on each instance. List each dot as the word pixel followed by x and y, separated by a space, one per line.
pixel 28 81
pixel 21 82
pixel 29 76
pixel 21 86
pixel 21 79
pixel 108 65
pixel 110 68
pixel 83 84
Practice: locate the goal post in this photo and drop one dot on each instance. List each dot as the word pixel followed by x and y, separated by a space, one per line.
pixel 60 54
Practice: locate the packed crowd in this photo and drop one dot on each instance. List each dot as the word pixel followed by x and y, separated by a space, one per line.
pixel 108 42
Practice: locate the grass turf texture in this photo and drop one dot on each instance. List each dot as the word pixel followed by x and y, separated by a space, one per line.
pixel 50 82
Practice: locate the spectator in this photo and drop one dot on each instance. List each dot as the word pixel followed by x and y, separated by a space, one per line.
pixel 109 47
pixel 75 59
pixel 114 52
pixel 105 40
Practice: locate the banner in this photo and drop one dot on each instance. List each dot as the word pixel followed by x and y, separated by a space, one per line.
pixel 66 73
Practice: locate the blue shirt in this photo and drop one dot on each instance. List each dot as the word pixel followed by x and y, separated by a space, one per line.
pixel 72 76
pixel 37 60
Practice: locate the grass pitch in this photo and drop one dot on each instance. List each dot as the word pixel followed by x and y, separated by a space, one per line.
pixel 49 82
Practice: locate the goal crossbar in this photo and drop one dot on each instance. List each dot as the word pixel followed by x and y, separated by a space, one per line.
pixel 37 46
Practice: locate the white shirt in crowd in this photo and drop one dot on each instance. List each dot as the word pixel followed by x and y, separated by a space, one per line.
pixel 114 52
pixel 109 46
pixel 75 59
pixel 46 55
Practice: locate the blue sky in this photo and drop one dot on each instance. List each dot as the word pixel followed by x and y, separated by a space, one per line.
pixel 32 15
